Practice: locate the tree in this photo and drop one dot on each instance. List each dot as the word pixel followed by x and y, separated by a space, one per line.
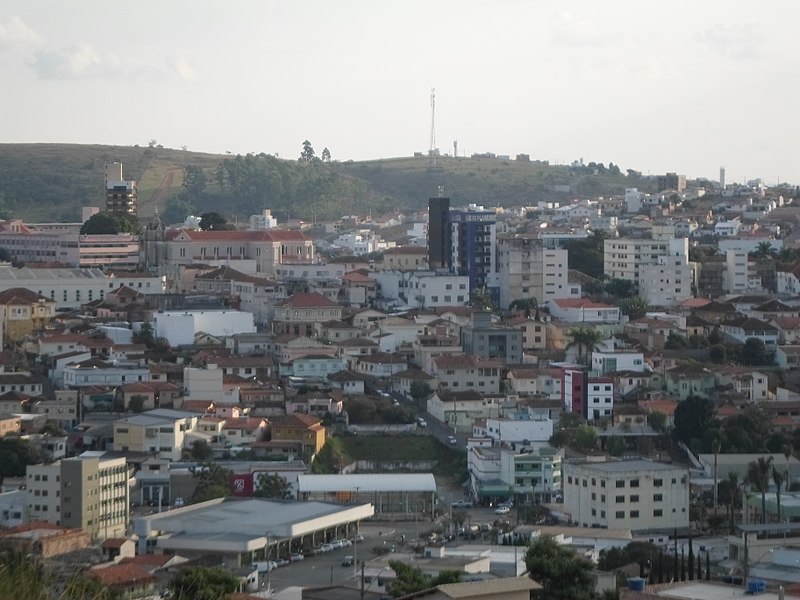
pixel 481 300
pixel 585 340
pixel 51 428
pixel 758 473
pixel 213 481
pixel 307 153
pixel 145 335
pixel 693 418
pixel 411 579
pixel 777 478
pixel 614 558
pixel 620 288
pixel 108 223
pixel 562 574
pixel 717 353
pixel 212 221
pixel 22 578
pixel 764 250
pixel 194 181
pixel 658 421
pixel 634 307
pixel 201 450
pixel 755 353
pixel 202 583
pixel 326 155
pixel 615 445
pixel 272 485
pixel 176 210
pixel 15 455
pixel 675 341
pixel 136 403
pixel 420 390
pixel 586 437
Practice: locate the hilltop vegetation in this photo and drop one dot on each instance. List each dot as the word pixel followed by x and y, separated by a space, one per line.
pixel 50 182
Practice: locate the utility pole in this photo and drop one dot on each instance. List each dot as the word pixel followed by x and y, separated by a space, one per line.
pixel 432 148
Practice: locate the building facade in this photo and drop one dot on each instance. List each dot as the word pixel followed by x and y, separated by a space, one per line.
pixel 640 495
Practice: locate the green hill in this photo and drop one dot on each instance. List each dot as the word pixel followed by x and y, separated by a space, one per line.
pixel 50 182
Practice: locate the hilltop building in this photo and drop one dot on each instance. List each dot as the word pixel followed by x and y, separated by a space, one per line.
pixel 121 194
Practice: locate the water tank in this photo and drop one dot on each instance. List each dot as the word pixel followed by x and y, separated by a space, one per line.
pixel 636 584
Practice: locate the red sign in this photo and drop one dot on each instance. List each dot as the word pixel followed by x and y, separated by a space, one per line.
pixel 242 484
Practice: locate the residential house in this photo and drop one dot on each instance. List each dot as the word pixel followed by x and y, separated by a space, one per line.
pixel 458 410
pixel 94 372
pixel 402 382
pixel 788 357
pixel 147 395
pixel 487 340
pixel 743 328
pixel 313 366
pixel 23 312
pixel 381 365
pixel 465 372
pixel 690 380
pixel 298 314
pixel 582 310
pixel 243 430
pixel 541 382
pixel 788 329
pixel 350 383
pixel 745 383
pixel 307 430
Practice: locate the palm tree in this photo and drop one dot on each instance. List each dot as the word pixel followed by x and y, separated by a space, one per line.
pixel 733 485
pixel 787 454
pixel 758 474
pixel 777 477
pixel 585 340
pixel 716 447
pixel 764 250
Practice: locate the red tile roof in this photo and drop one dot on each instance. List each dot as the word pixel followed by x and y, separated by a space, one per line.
pixel 310 300
pixel 273 235
pixel 20 295
pixel 123 575
pixel 579 303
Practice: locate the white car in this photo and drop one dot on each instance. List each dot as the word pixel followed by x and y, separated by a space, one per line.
pixel 451 440
pixel 502 510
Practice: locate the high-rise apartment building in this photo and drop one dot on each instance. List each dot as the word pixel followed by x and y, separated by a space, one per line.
pixel 439 253
pixel 526 269
pixel 120 193
pixel 88 492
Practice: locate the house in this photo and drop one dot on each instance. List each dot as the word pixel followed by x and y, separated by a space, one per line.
pixel 689 380
pixel 743 328
pixel 609 361
pixel 458 410
pixel 306 430
pixel 348 382
pixel 465 372
pixel 541 382
pixel 298 314
pixel 788 356
pixel 313 366
pixel 243 431
pixel 95 372
pixel 318 405
pixel 147 395
pixel 427 348
pixel 337 331
pixel 788 329
pixel 381 365
pixel 747 384
pixel 9 424
pixel 23 311
pixel 582 310
pixel 489 340
pixel 402 382
pixel 534 333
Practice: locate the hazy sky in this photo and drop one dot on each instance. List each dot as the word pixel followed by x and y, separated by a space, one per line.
pixel 659 86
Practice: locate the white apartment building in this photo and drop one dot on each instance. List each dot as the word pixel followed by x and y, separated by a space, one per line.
pixel 423 289
pixel 69 288
pixel 668 282
pixel 623 258
pixel 362 242
pixel 599 398
pixel 738 275
pixel 610 361
pixel 466 372
pixel 179 327
pixel 639 495
pixel 263 221
pixel 88 492
pixel 526 269
pixel 497 472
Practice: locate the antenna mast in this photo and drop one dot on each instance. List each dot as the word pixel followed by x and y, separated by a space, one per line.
pixel 432 149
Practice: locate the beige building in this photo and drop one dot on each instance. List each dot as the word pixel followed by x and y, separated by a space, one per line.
pixel 299 314
pixel 466 372
pixel 526 269
pixel 639 495
pixel 161 432
pixel 88 492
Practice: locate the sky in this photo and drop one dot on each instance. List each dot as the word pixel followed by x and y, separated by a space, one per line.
pixel 657 85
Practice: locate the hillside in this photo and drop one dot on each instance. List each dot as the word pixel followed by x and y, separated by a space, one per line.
pixel 50 182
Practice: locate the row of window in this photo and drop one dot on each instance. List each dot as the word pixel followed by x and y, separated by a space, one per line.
pixel 619 483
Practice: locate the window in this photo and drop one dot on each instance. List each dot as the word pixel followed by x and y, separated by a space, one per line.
pixel 658 513
pixel 658 497
pixel 620 514
pixel 594 513
pixel 619 499
pixel 634 498
pixel 594 482
pixel 620 484
pixel 602 483
pixel 634 514
pixel 634 483
pixel 602 497
pixel 658 482
pixel 594 496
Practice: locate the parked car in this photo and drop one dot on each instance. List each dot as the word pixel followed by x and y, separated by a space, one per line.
pixel 325 548
pixel 281 562
pixel 358 538
pixel 264 566
pixel 296 556
pixel 502 510
pixel 462 504
pixel 507 503
pixel 348 561
pixel 337 544
pixel 422 422
pixel 451 440
pixel 346 543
